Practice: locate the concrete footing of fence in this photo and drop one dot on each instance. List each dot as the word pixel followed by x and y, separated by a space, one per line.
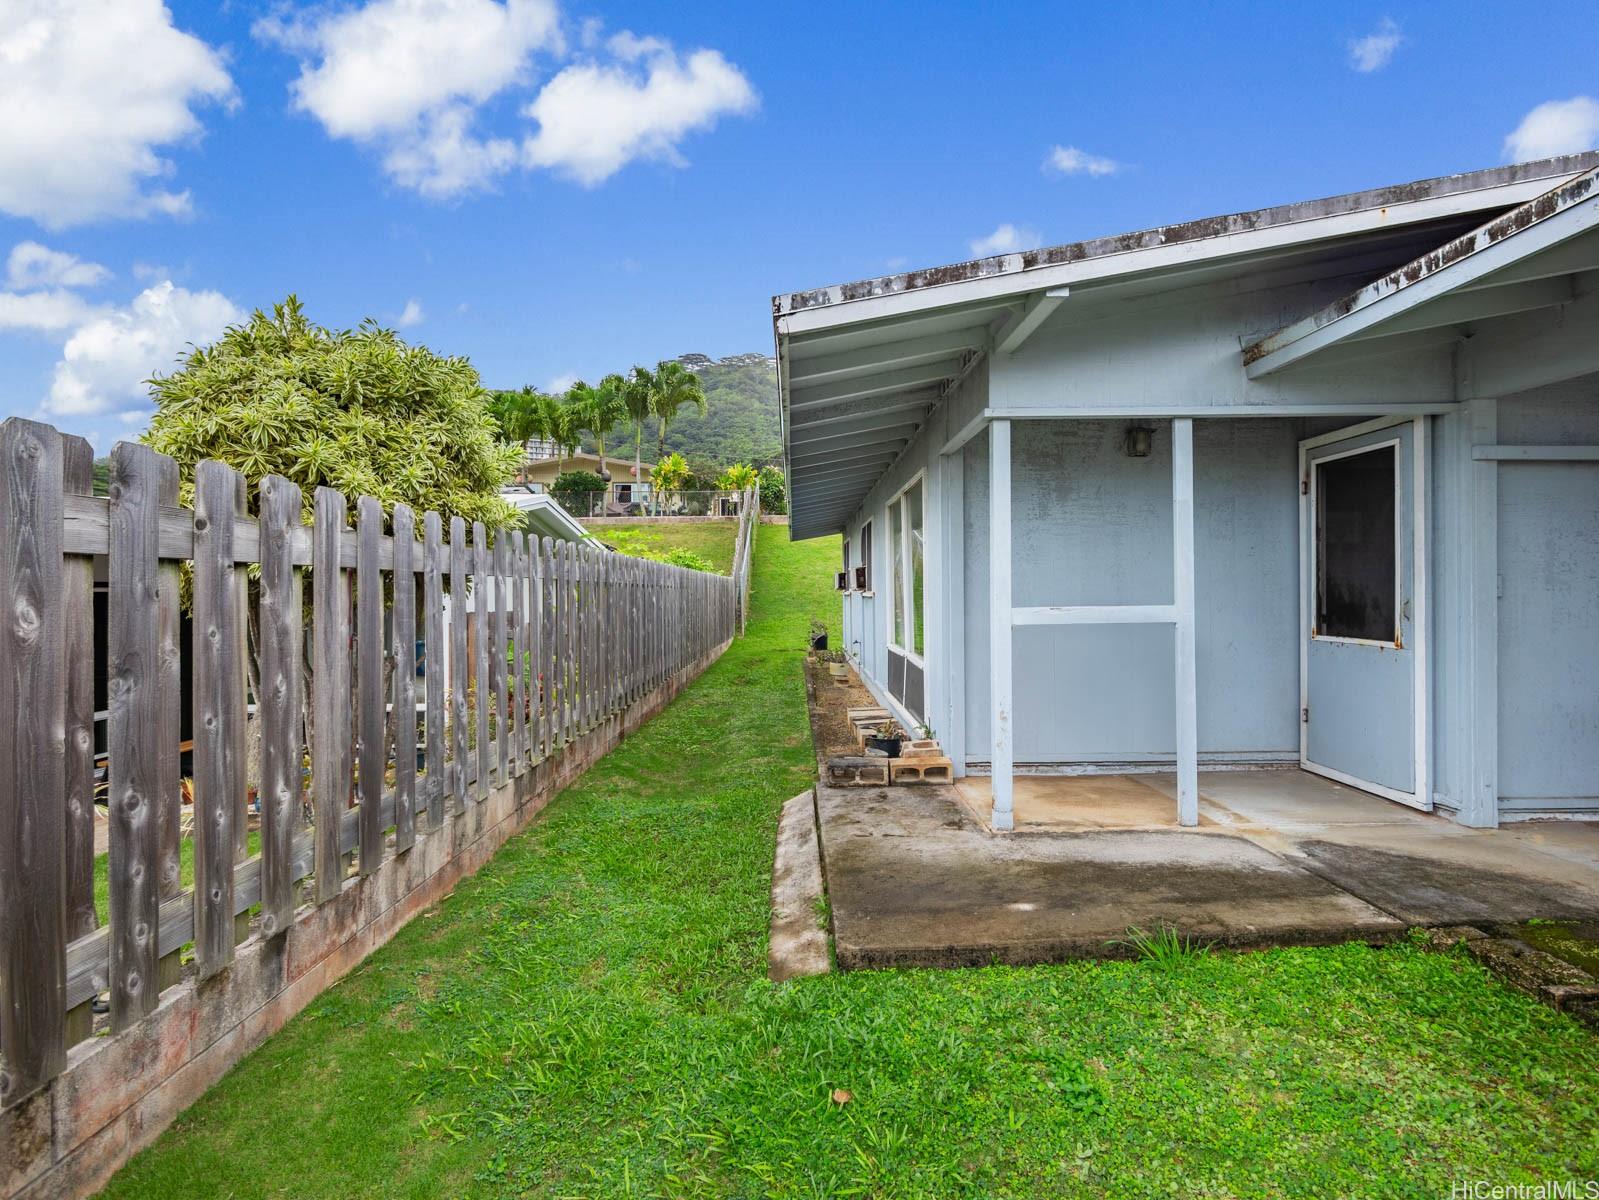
pixel 118 1093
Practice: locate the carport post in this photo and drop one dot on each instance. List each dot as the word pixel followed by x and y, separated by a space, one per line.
pixel 1000 618
pixel 1182 511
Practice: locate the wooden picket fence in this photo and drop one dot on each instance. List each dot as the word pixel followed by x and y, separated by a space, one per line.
pixel 563 636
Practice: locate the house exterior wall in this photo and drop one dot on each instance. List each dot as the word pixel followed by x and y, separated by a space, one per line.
pixel 1513 546
pixel 1093 526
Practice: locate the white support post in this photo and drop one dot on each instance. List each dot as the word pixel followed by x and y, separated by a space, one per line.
pixel 1182 506
pixel 953 733
pixel 999 617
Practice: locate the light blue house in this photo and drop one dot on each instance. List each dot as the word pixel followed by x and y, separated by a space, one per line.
pixel 1315 486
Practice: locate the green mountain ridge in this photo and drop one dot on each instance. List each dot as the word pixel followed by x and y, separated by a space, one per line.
pixel 740 424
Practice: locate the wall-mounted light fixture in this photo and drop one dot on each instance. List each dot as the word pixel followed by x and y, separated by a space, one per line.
pixel 1139 441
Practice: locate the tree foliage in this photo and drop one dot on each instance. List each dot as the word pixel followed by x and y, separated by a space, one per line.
pixel 737 477
pixel 774 490
pixel 573 485
pixel 358 410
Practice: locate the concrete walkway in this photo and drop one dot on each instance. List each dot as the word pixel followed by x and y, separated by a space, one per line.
pixel 915 878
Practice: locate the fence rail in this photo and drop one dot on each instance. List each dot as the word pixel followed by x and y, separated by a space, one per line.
pixel 524 646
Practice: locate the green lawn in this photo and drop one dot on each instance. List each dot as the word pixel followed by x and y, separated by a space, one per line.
pixel 589 1016
pixel 711 540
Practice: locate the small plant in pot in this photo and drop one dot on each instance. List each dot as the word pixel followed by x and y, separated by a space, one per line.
pixel 886 737
pixel 818 635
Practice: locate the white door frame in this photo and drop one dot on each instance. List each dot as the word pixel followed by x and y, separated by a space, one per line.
pixel 1421 798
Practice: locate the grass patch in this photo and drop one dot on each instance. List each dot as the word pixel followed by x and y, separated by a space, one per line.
pixel 711 540
pixel 590 1016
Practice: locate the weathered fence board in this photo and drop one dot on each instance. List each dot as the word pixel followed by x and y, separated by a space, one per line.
pixel 77 605
pixel 433 662
pixel 279 702
pixel 33 771
pixel 372 758
pixel 330 707
pixel 485 689
pixel 458 663
pixel 497 652
pixel 133 701
pixel 218 713
pixel 404 723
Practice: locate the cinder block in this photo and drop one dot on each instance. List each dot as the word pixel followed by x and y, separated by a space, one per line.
pixel 846 771
pixel 921 748
pixel 866 714
pixel 920 770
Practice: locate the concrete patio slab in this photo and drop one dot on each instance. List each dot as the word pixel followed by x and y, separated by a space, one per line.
pixel 914 881
pixel 1421 867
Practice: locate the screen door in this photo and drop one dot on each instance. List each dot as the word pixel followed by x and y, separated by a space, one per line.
pixel 1359 715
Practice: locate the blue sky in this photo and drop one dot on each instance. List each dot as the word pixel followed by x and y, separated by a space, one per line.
pixel 559 190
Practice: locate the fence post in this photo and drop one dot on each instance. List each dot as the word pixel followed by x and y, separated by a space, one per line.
pixel 279 713
pixel 33 965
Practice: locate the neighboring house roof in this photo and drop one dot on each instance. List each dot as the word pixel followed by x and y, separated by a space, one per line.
pixel 545 517
pixel 620 466
pixel 862 365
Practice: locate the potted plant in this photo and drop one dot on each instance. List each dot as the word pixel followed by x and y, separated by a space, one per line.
pixel 885 737
pixel 818 635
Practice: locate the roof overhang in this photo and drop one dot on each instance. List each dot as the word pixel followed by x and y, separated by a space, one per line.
pixel 1528 258
pixel 862 366
pixel 545 517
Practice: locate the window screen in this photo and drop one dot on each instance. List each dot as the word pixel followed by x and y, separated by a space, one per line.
pixel 1356 555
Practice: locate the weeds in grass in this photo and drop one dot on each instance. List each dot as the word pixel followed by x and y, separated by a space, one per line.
pixel 1165 948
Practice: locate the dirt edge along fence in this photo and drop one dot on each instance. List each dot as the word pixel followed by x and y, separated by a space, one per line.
pixel 380 689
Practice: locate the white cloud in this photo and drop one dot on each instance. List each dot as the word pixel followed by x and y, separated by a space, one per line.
pixel 408 75
pixel 1069 160
pixel 411 315
pixel 106 360
pixel 31 265
pixel 51 311
pixel 1007 239
pixel 560 383
pixel 411 78
pixel 1554 128
pixel 1374 51
pixel 594 119
pixel 91 90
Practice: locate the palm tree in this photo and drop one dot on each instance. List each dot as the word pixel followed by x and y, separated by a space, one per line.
pixel 675 386
pixel 636 393
pixel 605 407
pixel 554 421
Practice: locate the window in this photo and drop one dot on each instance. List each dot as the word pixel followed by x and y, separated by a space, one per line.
pixel 1357 559
pixel 918 613
pixel 848 574
pixel 863 572
pixel 896 573
pixel 907 570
